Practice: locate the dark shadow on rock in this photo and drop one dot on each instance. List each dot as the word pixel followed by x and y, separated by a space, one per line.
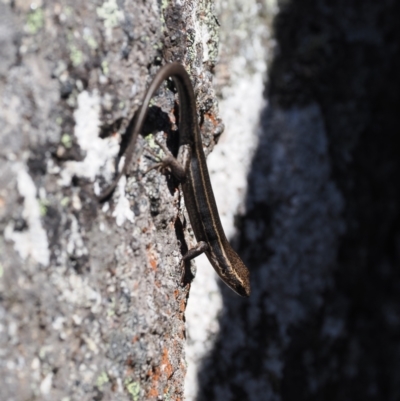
pixel 322 231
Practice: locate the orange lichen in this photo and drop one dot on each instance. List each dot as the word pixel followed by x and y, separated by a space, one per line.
pixel 165 368
pixel 153 392
pixel 166 364
pixel 151 257
pixel 182 305
pixel 212 118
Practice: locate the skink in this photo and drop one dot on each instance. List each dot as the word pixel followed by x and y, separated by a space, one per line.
pixel 195 181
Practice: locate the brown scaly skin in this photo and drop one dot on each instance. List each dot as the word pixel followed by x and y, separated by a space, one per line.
pixel 197 190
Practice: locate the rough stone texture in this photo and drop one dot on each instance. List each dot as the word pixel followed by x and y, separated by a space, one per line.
pixel 91 304
pixel 321 233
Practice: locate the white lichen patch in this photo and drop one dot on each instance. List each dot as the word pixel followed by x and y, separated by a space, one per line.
pixel 58 323
pixel 111 15
pixel 78 292
pixel 45 385
pixel 31 242
pixel 76 245
pixel 122 210
pixel 203 33
pixel 205 38
pixel 99 152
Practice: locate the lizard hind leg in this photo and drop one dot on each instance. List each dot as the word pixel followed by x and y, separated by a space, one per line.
pixel 192 253
pixel 168 162
pixel 157 166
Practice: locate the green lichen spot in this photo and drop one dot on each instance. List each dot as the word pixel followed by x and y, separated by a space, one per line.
pixel 104 67
pixel 35 21
pixel 65 201
pixel 110 13
pixel 102 380
pixel 76 55
pixel 43 204
pixel 167 396
pixel 90 40
pixel 66 140
pixel 68 11
pixel 164 4
pixel 111 310
pixel 133 389
pixel 151 141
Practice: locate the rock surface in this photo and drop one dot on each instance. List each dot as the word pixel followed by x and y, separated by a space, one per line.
pixel 91 304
